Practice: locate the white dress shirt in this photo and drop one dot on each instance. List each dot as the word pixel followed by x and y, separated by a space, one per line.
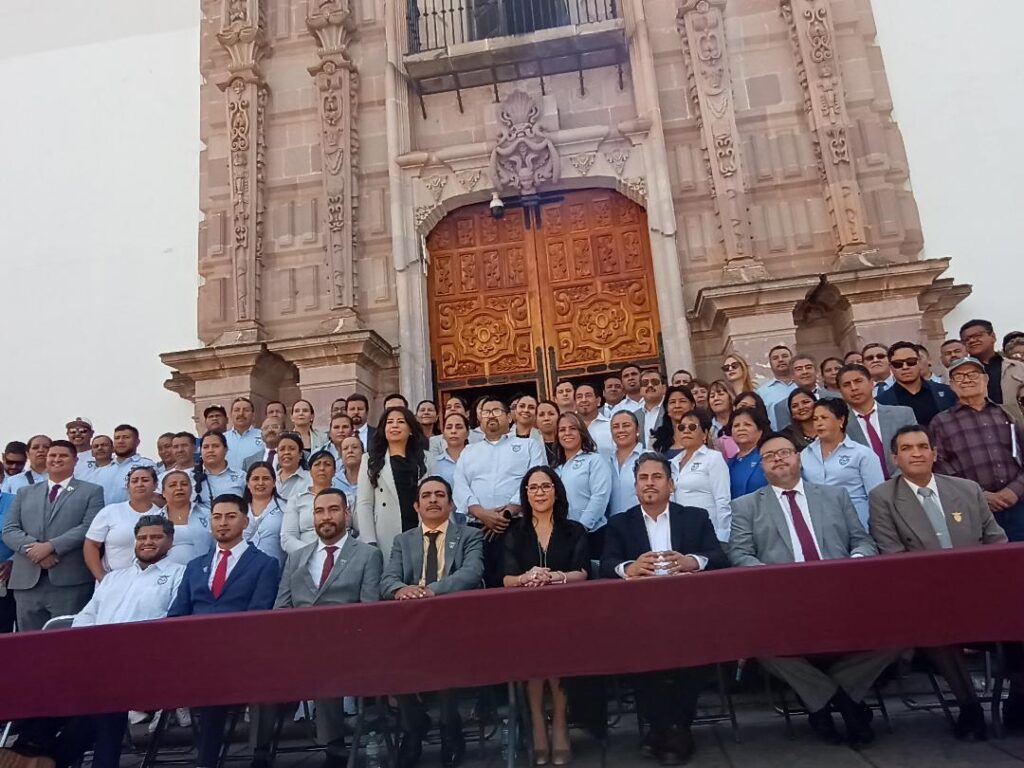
pixel 625 404
pixel 489 473
pixel 704 483
pixel 236 554
pixel 63 487
pixel 316 562
pixel 133 594
pixel 363 433
pixel 801 502
pixel 873 418
pixel 659 536
pixel 600 430
pixel 114 528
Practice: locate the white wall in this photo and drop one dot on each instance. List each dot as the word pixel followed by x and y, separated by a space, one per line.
pixel 955 70
pixel 99 204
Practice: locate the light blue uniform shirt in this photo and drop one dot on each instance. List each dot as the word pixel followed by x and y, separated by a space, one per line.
pixel 6 499
pixel 243 445
pixel 14 483
pixel 193 539
pixel 264 532
pixel 588 484
pixel 623 496
pixel 227 481
pixel 851 466
pixel 349 489
pixel 489 473
pixel 444 466
pixel 114 477
pixel 774 392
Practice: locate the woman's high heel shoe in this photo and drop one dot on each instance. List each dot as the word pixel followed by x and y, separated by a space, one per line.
pixel 561 756
pixel 541 756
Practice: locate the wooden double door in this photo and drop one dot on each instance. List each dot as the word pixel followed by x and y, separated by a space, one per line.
pixel 563 290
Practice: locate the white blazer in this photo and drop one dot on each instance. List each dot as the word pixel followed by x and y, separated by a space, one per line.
pixel 378 511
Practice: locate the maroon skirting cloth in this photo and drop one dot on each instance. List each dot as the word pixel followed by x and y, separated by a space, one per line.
pixel 492 636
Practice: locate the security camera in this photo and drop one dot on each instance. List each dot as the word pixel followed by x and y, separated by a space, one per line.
pixel 497 207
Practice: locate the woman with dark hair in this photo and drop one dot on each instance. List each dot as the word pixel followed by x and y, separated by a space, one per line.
pixel 801 413
pixel 699 388
pixel 587 476
pixel 545 547
pixel 455 436
pixel 110 541
pixel 547 425
pixel 678 402
pixel 291 475
pixel 302 424
pixel 212 476
pixel 388 478
pixel 747 427
pixel 297 528
pixel 701 474
pixel 426 417
pixel 753 400
pixel 625 430
pixel 835 459
pixel 720 403
pixel 266 510
pixel 192 536
pixel 829 371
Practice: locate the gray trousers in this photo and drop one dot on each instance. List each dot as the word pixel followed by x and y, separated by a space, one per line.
pixel 45 601
pixel 330 724
pixel 855 673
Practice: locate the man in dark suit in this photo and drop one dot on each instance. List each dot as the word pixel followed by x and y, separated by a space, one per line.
pixel 659 538
pixel 871 424
pixel 335 570
pixel 923 511
pixel 791 521
pixel 233 577
pixel 438 557
pixel 911 389
pixel 45 527
pixel 358 409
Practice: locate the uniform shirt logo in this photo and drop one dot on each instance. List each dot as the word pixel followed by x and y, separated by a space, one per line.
pixel 844 461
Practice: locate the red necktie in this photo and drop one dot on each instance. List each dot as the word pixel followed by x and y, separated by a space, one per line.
pixel 803 533
pixel 328 565
pixel 876 443
pixel 221 574
pixel 54 492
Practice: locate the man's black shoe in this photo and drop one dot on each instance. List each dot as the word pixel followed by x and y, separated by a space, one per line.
pixel 453 747
pixel 650 745
pixel 677 747
pixel 824 726
pixel 410 749
pixel 970 724
pixel 857 719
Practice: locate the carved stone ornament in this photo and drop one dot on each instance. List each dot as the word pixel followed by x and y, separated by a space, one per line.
pixel 583 163
pixel 436 185
pixel 617 160
pixel 524 158
pixel 468 180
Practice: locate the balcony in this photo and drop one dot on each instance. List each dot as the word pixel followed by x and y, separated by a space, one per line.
pixel 459 44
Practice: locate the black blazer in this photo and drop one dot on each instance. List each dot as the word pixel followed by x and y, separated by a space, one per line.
pixel 626 539
pixel 567 550
pixel 942 394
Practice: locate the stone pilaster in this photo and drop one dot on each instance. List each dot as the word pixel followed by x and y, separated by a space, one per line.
pixel 242 36
pixel 813 36
pixel 702 27
pixel 337 84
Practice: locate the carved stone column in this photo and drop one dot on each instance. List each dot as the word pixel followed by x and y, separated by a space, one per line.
pixel 331 23
pixel 703 30
pixel 242 36
pixel 813 36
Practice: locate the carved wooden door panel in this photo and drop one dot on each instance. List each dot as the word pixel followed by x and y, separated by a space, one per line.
pixel 485 323
pixel 599 305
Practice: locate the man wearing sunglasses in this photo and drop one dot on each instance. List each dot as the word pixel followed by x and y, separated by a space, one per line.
pixel 926 398
pixel 876 360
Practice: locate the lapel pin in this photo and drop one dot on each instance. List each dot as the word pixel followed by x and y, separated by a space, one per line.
pixel 958 517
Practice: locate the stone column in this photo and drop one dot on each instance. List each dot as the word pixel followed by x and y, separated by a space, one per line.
pixel 702 27
pixel 331 24
pixel 813 35
pixel 242 36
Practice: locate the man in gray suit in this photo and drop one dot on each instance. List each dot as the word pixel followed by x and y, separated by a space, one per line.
pixel 45 527
pixel 791 521
pixel 335 570
pixel 871 424
pixel 923 511
pixel 438 557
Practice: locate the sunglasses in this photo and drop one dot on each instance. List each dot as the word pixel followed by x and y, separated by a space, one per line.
pixel 689 427
pixel 730 367
pixel 911 362
pixel 873 358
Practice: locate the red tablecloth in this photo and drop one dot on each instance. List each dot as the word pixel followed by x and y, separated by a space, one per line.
pixel 492 636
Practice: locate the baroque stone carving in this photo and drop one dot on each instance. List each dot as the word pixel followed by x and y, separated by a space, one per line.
pixel 525 157
pixel 330 22
pixel 583 163
pixel 436 185
pixel 617 160
pixel 468 180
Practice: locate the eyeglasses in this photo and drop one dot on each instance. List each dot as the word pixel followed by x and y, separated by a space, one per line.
pixel 650 382
pixel 493 412
pixel 875 358
pixel 540 488
pixel 689 427
pixel 910 362
pixel 964 376
pixel 730 367
pixel 782 453
pixel 973 337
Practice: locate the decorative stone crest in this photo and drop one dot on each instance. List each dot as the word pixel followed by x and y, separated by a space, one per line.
pixel 617 159
pixel 525 157
pixel 468 180
pixel 583 163
pixel 436 185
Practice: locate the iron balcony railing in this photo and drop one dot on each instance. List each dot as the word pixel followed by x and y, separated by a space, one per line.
pixel 437 24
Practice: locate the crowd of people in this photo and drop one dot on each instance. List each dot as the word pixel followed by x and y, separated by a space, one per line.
pixel 638 475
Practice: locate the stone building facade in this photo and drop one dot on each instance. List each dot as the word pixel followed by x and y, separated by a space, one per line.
pixel 679 179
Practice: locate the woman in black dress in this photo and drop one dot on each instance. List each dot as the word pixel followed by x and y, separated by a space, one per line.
pixel 542 548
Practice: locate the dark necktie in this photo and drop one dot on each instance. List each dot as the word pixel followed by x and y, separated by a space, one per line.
pixel 876 443
pixel 271 456
pixel 54 492
pixel 220 576
pixel 328 565
pixel 803 532
pixel 430 574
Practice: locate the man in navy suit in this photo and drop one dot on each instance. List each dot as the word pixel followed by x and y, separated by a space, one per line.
pixel 660 538
pixel 926 398
pixel 234 577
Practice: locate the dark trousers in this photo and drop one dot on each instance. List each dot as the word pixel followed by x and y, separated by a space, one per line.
pixel 668 699
pixel 67 739
pixel 595 542
pixel 8 611
pixel 1012 521
pixel 494 553
pixel 414 712
pixel 211 735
